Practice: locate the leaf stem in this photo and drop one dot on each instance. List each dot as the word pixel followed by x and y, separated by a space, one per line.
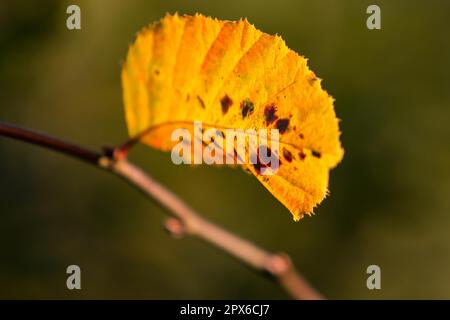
pixel 183 220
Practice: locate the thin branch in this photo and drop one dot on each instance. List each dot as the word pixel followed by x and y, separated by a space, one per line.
pixel 44 140
pixel 183 220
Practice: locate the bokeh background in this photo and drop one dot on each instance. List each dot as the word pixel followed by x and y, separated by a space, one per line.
pixel 389 202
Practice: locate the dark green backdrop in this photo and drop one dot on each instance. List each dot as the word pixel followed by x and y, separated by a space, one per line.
pixel 389 202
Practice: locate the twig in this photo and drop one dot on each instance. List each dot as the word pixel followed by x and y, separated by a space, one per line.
pixel 183 220
pixel 44 140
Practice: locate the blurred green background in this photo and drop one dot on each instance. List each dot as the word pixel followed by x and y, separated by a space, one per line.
pixel 389 202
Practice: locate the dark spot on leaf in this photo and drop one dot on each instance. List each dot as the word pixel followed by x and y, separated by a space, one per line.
pixel 233 154
pixel 287 155
pixel 301 136
pixel 282 125
pixel 157 71
pixel 316 154
pixel 302 155
pixel 259 165
pixel 226 103
pixel 247 108
pixel 269 113
pixel 312 79
pixel 202 104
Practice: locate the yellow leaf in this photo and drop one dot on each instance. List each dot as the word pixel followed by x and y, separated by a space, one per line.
pixel 228 74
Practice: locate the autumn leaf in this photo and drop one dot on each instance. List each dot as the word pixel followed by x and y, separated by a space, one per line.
pixel 228 74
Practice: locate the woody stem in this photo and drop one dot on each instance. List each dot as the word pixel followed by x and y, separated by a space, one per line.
pixel 183 219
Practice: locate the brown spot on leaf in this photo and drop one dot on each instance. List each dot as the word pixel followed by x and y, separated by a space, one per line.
pixel 226 103
pixel 269 113
pixel 302 155
pixel 259 165
pixel 316 154
pixel 287 155
pixel 282 125
pixel 301 136
pixel 312 79
pixel 247 108
pixel 202 104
